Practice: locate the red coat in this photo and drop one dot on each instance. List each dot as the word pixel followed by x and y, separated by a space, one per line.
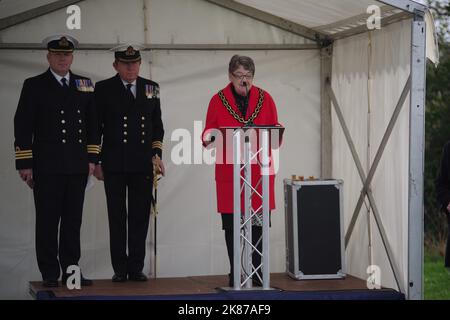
pixel 219 116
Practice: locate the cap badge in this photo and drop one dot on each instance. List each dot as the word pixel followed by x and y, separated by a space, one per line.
pixel 130 51
pixel 63 42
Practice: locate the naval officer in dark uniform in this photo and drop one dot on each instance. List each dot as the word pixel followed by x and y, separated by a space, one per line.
pixel 57 145
pixel 129 113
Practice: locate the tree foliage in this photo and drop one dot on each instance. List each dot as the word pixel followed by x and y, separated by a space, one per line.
pixel 437 125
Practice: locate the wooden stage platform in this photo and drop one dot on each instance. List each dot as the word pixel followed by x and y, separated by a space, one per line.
pixel 208 287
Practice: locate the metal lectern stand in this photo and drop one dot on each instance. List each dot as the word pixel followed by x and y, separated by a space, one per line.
pixel 243 268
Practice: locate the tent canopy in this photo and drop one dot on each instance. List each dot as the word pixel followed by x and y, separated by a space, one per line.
pixel 327 19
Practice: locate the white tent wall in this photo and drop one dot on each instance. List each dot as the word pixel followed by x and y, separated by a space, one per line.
pixel 349 81
pixel 368 105
pixel 190 239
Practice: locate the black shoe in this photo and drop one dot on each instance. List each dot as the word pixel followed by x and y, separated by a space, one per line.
pixel 139 276
pixel 230 280
pixel 257 283
pixel 50 283
pixel 119 277
pixel 83 281
pixel 256 279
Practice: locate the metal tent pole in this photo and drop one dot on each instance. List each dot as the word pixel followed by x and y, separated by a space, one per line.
pixel 247 213
pixel 237 209
pixel 416 159
pixel 265 165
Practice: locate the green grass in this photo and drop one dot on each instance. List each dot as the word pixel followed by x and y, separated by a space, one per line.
pixel 437 278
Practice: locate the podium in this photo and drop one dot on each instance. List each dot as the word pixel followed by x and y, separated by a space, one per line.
pixel 244 153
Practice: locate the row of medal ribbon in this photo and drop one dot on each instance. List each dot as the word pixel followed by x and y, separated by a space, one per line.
pixel 85 85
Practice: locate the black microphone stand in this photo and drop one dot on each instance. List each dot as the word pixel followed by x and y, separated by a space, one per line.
pixel 250 123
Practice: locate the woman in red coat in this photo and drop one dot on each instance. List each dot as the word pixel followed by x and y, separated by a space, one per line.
pixel 238 104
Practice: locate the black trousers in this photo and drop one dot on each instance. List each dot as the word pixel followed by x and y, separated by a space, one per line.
pixel 135 212
pixel 227 226
pixel 59 205
pixel 447 250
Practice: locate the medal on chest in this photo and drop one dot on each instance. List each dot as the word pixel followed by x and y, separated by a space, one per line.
pixel 84 85
pixel 151 91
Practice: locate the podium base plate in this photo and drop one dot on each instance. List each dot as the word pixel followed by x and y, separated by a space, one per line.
pixel 227 289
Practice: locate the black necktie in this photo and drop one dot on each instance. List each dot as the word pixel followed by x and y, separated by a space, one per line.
pixel 64 82
pixel 129 85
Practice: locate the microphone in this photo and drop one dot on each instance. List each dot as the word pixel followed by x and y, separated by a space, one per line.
pixel 246 89
pixel 246 93
pixel 250 123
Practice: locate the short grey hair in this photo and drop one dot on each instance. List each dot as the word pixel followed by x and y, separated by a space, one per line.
pixel 243 61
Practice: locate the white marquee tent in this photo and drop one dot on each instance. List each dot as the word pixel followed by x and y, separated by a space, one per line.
pixel 352 101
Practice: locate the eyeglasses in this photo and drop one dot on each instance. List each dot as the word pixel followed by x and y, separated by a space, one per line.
pixel 247 76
